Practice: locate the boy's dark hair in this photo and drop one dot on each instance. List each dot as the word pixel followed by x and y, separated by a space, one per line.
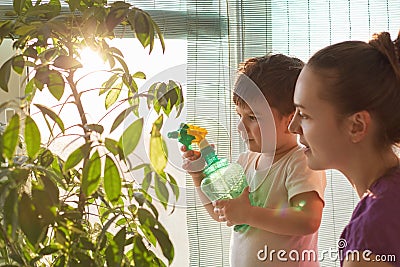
pixel 276 76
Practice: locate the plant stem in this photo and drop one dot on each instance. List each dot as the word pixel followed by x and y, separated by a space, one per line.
pixel 10 245
pixel 82 114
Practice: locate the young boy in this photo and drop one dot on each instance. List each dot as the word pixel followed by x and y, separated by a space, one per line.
pixel 287 195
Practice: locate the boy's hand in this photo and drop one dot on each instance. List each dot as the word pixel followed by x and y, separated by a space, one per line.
pixel 233 211
pixel 194 164
pixel 192 161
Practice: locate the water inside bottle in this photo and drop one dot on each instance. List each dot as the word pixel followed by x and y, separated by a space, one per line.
pixel 224 181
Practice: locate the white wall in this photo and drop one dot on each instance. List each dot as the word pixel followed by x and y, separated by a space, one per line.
pixel 15 88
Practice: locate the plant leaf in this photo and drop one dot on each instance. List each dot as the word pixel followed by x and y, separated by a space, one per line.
pixel 113 95
pixel 10 212
pixel 142 255
pixel 50 188
pixel 32 137
pixel 161 190
pixel 148 176
pixel 56 84
pixel 5 72
pixel 112 180
pixel 91 175
pixel 107 225
pixel 115 50
pixel 53 248
pixel 67 63
pixel 29 221
pixel 18 5
pixel 123 63
pixel 120 118
pixel 165 243
pixel 95 128
pixel 42 76
pixel 139 75
pixel 160 35
pixel 46 158
pixel 142 28
pixel 131 136
pixel 18 64
pixel 109 83
pixel 6 28
pixel 30 90
pixel 116 15
pixel 74 4
pixel 116 248
pixel 158 148
pixel 113 147
pixel 174 185
pixel 11 136
pixel 46 111
pixel 147 221
pixel 76 156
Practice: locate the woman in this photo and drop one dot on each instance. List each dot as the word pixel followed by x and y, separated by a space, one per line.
pixel 347 102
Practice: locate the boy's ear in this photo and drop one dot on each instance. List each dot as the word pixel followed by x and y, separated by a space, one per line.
pixel 359 124
pixel 291 115
pixel 288 120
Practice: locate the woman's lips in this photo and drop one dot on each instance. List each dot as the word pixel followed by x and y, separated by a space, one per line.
pixel 306 148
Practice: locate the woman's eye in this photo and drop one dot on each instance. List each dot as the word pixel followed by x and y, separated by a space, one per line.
pixel 302 115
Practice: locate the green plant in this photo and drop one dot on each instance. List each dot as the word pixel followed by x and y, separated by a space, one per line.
pixel 80 209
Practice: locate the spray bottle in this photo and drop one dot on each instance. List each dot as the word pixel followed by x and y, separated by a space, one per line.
pixel 223 180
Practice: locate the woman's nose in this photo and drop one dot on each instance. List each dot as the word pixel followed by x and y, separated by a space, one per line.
pixel 294 125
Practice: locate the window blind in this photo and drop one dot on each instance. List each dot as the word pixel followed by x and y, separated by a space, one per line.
pixel 209 105
pixel 296 28
pixel 204 26
pixel 300 28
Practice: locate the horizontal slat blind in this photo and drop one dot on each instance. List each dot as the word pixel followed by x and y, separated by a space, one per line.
pixel 209 105
pixel 300 28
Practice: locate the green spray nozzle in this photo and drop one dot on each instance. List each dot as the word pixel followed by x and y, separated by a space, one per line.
pixel 188 134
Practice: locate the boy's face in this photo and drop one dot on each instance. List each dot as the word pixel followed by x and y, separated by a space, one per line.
pixel 250 124
pixel 248 128
pixel 271 138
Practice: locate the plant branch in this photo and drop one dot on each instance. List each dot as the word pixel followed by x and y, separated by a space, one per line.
pixel 12 247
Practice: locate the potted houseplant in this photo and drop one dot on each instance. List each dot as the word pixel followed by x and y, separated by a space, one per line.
pixel 79 209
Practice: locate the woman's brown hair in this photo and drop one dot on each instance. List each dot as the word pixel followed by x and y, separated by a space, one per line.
pixel 364 76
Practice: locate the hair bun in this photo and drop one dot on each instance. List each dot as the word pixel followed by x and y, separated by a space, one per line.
pixel 383 43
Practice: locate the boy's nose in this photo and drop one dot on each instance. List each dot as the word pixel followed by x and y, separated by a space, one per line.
pixel 240 125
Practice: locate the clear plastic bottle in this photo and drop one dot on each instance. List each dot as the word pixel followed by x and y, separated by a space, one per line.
pixel 223 180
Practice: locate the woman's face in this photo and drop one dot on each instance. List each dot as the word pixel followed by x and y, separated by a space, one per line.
pixel 317 123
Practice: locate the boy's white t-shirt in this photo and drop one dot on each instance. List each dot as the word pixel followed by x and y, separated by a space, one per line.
pixel 273 188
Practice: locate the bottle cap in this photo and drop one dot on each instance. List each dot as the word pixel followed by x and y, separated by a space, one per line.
pixel 203 144
pixel 173 135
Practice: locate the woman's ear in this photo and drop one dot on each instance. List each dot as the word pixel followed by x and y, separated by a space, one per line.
pixel 359 124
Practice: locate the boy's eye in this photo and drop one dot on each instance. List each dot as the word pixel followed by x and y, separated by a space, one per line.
pixel 253 118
